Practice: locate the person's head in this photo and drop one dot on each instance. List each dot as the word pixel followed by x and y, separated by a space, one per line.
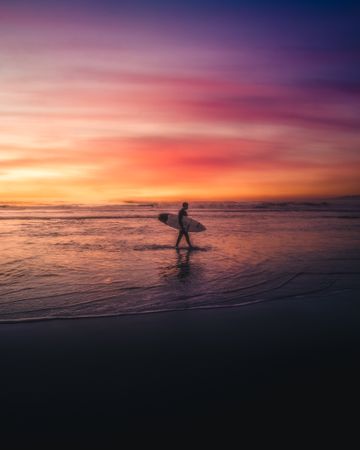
pixel 185 205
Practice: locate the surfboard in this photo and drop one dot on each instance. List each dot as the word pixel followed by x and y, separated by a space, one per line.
pixel 189 224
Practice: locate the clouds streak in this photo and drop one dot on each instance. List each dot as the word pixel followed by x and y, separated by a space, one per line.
pixel 115 104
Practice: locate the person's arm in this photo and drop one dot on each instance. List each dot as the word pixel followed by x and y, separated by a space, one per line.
pixel 181 223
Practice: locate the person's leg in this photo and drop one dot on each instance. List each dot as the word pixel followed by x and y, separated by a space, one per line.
pixel 179 238
pixel 187 237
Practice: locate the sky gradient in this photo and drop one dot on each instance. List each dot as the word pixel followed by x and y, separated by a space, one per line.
pixel 110 101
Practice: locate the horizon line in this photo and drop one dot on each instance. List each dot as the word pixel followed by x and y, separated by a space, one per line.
pixel 150 201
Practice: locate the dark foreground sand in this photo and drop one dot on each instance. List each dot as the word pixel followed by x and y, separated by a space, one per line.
pixel 179 369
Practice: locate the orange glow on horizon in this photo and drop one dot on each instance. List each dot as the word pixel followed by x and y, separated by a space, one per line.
pixel 89 119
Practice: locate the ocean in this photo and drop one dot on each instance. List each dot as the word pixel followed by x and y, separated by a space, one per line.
pixel 74 261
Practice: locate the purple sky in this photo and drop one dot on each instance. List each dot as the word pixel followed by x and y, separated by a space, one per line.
pixel 151 100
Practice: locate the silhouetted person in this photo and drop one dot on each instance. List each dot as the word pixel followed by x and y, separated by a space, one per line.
pixel 183 231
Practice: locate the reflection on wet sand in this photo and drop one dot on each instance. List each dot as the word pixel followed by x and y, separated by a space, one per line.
pixel 181 268
pixel 183 263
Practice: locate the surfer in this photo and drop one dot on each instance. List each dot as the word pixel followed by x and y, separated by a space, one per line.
pixel 182 231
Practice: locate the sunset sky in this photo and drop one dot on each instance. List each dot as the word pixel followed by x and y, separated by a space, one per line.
pixel 105 101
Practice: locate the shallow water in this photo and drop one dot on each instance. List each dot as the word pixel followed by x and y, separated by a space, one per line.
pixel 68 262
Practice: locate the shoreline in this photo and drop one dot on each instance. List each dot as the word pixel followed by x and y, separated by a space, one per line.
pixel 285 297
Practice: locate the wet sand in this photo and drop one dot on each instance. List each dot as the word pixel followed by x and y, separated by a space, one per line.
pixel 181 368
